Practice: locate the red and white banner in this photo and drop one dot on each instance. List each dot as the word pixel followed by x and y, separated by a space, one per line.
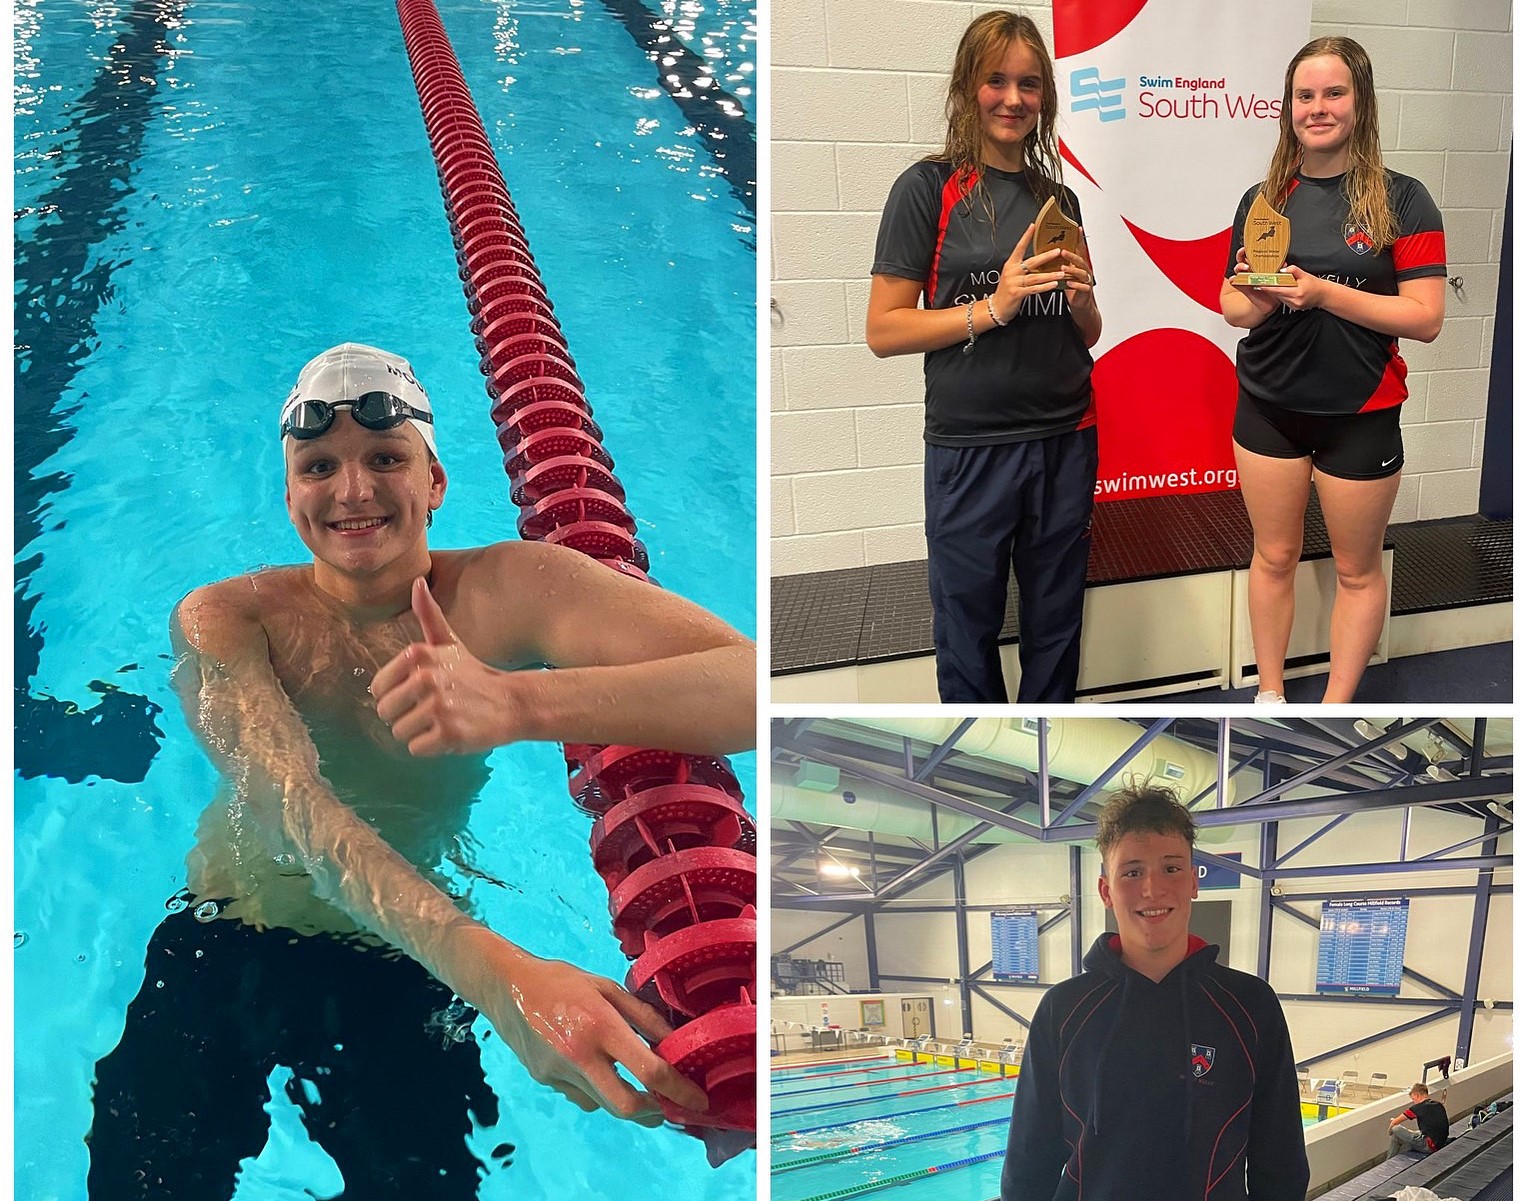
pixel 1168 113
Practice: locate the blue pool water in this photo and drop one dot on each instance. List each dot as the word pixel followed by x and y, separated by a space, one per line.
pixel 864 1110
pixel 818 1111
pixel 207 195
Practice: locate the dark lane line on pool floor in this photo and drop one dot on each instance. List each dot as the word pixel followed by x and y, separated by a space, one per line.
pixel 57 297
pixel 724 126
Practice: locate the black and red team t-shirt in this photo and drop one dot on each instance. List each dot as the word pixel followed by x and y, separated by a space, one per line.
pixel 1431 1119
pixel 1311 361
pixel 1028 380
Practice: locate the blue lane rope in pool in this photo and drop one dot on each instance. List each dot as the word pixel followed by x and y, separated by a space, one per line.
pixel 810 1069
pixel 827 1088
pixel 670 828
pixel 844 1152
pixel 889 1181
pixel 897 1113
pixel 908 1092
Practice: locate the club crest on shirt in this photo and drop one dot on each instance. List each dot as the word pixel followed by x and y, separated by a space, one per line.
pixel 1358 238
pixel 1201 1058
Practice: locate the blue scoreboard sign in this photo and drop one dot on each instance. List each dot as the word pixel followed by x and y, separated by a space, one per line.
pixel 1015 945
pixel 1362 946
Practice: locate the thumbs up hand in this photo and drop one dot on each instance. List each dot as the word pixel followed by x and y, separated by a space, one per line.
pixel 437 631
pixel 438 697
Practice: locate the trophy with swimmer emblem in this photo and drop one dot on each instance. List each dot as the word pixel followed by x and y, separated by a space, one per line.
pixel 1054 230
pixel 1266 240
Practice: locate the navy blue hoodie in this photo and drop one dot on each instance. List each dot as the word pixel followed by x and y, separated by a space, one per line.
pixel 1137 1091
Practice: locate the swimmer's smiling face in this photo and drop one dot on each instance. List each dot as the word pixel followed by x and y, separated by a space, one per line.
pixel 359 498
pixel 1150 884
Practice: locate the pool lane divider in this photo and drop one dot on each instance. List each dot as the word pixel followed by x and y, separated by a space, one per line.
pixel 913 1092
pixel 807 1161
pixel 904 1178
pixel 886 1117
pixel 671 839
pixel 827 1088
pixel 807 1068
pixel 885 1066
pixel 907 1092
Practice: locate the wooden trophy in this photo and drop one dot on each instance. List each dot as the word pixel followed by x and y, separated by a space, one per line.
pixel 1266 241
pixel 1054 230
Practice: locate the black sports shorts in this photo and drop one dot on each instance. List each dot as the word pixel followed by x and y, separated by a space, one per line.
pixel 1356 446
pixel 384 1068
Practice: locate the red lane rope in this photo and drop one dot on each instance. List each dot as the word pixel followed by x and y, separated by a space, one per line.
pixel 672 841
pixel 886 1064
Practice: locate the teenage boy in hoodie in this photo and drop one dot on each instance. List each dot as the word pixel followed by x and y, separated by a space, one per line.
pixel 1157 1074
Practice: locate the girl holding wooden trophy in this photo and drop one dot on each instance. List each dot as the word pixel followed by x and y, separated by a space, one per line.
pixel 980 234
pixel 1332 259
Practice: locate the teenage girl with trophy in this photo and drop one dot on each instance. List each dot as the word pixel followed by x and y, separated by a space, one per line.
pixel 1321 377
pixel 1009 316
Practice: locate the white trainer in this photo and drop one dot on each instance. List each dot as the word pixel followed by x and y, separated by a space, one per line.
pixel 1269 698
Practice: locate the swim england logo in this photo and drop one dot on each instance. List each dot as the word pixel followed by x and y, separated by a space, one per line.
pixel 1358 238
pixel 1202 1059
pixel 1089 91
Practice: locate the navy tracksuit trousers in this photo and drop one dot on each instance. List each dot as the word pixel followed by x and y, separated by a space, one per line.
pixel 1024 506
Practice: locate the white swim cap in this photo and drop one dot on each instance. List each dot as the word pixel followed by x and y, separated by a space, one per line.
pixel 343 374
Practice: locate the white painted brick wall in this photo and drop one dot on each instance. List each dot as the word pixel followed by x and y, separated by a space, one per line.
pixel 1407 502
pixel 858 94
pixel 890 436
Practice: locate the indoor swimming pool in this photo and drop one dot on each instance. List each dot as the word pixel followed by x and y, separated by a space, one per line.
pixel 851 1129
pixel 857 1127
pixel 207 195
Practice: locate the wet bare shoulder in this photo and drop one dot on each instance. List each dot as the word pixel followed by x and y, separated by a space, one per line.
pixel 483 591
pixel 552 605
pixel 229 615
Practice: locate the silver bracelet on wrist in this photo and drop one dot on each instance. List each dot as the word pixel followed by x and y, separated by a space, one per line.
pixel 996 320
pixel 970 327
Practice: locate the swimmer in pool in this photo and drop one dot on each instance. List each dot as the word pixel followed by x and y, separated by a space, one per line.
pixel 350 703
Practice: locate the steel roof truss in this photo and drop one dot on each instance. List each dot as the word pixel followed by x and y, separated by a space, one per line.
pixel 1097 785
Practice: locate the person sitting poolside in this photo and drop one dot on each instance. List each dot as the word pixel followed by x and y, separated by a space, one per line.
pixel 349 705
pixel 1431 1121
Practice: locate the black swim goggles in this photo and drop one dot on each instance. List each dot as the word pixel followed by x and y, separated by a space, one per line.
pixel 374 410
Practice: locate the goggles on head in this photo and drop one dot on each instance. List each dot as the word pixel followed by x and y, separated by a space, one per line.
pixel 374 410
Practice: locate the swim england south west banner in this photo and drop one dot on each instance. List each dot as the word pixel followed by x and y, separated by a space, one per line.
pixel 1168 113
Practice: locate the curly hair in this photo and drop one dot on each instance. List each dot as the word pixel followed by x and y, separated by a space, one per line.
pixel 1143 809
pixel 984 41
pixel 1367 184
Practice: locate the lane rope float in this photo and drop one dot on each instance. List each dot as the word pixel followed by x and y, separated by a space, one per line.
pixel 671 838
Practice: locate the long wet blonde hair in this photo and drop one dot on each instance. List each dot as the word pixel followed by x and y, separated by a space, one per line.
pixel 1366 185
pixel 984 40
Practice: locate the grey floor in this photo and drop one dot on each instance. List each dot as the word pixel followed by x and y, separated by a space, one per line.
pixel 1474 675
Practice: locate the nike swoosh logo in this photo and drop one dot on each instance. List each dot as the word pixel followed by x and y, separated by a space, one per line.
pixel 1386 462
